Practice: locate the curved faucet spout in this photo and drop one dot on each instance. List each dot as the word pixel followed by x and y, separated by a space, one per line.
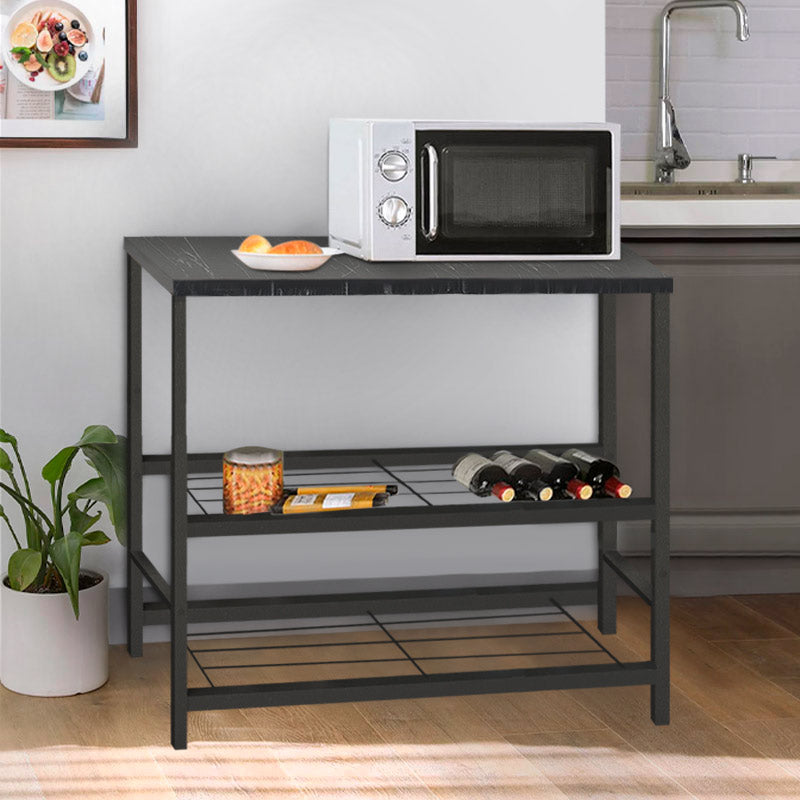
pixel 671 153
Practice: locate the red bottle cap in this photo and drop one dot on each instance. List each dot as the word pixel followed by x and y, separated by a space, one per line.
pixel 616 488
pixel 503 491
pixel 579 490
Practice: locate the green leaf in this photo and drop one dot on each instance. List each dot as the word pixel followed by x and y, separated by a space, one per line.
pixel 97 434
pixel 66 555
pixel 23 52
pixel 33 533
pixel 95 537
pixel 93 489
pixel 40 58
pixel 5 462
pixel 7 438
pixel 80 520
pixel 110 461
pixel 55 467
pixel 23 567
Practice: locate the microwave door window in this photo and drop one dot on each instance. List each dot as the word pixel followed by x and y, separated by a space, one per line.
pixel 520 192
pixel 517 192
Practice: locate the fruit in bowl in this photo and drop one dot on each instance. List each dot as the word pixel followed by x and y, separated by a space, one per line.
pixel 255 244
pixel 296 247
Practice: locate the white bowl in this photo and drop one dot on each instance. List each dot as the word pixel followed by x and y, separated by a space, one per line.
pixel 282 262
pixel 44 81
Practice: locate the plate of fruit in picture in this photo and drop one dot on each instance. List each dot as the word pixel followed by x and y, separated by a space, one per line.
pixel 297 255
pixel 48 46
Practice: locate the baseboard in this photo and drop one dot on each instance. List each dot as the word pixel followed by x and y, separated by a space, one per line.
pixel 759 533
pixel 719 575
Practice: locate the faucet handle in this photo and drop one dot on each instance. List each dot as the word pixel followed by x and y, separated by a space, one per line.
pixel 746 166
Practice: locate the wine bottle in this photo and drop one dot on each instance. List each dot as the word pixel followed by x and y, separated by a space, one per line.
pixel 602 475
pixel 483 477
pixel 525 476
pixel 561 474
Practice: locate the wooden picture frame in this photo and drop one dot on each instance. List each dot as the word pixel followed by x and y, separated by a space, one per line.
pixel 131 103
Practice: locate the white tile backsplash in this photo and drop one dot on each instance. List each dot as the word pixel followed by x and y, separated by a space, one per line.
pixel 730 96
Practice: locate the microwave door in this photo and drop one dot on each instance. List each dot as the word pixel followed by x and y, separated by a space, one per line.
pixel 514 192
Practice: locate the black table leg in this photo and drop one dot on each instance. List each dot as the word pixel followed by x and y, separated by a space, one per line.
pixel 660 533
pixel 179 525
pixel 607 530
pixel 134 539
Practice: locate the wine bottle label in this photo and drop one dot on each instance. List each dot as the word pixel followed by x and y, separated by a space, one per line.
pixel 573 454
pixel 508 461
pixel 544 460
pixel 466 468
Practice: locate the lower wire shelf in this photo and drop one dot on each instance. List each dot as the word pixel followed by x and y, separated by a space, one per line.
pixel 398 655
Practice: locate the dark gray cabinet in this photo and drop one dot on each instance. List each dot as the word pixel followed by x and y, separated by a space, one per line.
pixel 735 389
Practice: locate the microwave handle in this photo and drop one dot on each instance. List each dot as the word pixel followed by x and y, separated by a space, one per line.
pixel 432 230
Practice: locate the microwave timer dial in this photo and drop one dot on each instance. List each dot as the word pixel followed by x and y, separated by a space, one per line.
pixel 393 166
pixel 394 211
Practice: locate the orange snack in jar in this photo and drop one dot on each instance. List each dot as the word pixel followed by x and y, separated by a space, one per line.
pixel 252 480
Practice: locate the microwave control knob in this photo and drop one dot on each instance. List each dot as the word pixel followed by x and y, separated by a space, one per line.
pixel 393 166
pixel 393 211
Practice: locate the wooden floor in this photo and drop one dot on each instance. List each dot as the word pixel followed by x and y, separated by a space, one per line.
pixel 735 731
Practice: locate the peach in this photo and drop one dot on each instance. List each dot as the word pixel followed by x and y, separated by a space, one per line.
pixel 255 244
pixel 296 247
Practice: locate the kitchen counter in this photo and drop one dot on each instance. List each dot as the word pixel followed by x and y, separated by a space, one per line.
pixel 705 212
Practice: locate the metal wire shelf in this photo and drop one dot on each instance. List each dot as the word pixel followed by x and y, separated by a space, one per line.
pixel 421 645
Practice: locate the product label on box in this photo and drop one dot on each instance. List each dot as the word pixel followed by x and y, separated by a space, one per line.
pixel 303 500
pixel 338 500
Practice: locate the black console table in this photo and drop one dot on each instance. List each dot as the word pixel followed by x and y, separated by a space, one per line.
pixel 193 267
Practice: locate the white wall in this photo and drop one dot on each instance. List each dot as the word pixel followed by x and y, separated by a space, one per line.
pixel 237 144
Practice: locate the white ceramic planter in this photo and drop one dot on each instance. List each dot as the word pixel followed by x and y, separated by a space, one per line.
pixel 45 650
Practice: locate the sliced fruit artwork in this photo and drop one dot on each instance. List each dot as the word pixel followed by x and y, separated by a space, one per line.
pixel 49 41
pixel 258 244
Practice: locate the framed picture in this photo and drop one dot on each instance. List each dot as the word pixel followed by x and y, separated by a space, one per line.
pixel 68 75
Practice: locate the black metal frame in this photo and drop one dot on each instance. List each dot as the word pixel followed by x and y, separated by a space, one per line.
pixel 173 605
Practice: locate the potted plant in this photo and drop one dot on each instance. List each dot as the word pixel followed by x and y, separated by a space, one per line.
pixel 55 615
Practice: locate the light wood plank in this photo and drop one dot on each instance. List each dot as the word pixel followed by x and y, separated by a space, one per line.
pixel 331 751
pixel 783 609
pixel 791 685
pixel 456 753
pixel 775 658
pixel 533 712
pixel 586 765
pixel 777 739
pixel 723 618
pixel 724 687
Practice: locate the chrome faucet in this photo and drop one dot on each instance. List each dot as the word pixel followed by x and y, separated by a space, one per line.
pixel 671 152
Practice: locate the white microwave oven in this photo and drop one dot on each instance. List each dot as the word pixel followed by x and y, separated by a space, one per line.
pixel 404 190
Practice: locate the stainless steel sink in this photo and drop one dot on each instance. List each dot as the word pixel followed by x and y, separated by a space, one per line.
pixel 688 190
